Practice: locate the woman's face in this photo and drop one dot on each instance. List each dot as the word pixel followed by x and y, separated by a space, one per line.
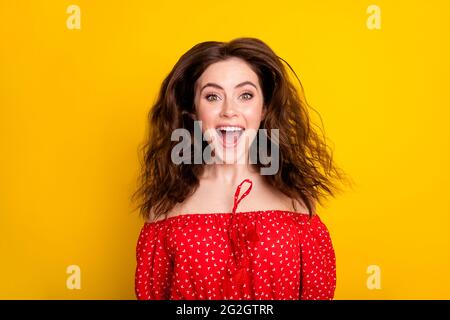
pixel 229 103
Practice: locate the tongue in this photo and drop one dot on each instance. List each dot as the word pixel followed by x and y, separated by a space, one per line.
pixel 231 137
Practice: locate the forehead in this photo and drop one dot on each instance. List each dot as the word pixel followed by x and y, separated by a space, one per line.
pixel 228 73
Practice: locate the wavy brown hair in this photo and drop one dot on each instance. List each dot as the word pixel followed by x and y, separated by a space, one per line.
pixel 306 172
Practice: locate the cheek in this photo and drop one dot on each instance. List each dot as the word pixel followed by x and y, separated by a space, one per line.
pixel 206 115
pixel 254 116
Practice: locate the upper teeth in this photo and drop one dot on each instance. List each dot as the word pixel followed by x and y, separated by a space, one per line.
pixel 230 128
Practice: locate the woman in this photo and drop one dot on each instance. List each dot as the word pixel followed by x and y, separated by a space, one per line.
pixel 196 244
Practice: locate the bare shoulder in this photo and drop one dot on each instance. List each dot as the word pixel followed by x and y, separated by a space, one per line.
pixel 152 217
pixel 269 197
pixel 300 207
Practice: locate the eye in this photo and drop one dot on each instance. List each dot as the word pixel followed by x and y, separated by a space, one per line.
pixel 212 97
pixel 247 96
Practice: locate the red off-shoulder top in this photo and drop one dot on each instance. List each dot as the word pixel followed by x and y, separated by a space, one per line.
pixel 257 255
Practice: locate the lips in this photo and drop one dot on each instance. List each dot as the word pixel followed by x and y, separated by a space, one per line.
pixel 229 135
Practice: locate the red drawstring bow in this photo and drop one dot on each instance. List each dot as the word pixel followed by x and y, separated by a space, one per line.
pixel 238 275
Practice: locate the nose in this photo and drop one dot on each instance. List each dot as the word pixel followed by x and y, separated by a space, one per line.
pixel 228 109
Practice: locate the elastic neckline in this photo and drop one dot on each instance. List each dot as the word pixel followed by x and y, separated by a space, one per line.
pixel 228 213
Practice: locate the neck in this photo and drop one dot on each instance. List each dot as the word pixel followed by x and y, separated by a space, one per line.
pixel 230 174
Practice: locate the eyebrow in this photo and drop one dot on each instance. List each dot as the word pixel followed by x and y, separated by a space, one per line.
pixel 215 85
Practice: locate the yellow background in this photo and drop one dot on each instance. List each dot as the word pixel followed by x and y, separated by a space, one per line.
pixel 73 113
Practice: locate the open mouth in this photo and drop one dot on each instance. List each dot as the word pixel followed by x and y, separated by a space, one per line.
pixel 229 135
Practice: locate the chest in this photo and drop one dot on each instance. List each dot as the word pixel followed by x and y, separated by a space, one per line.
pixel 206 247
pixel 219 199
